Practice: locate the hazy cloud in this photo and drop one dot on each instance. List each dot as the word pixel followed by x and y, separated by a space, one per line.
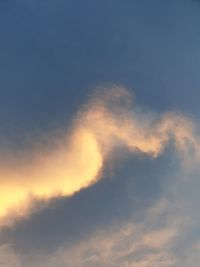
pixel 106 123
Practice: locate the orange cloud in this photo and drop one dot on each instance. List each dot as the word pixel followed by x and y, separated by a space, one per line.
pixel 107 122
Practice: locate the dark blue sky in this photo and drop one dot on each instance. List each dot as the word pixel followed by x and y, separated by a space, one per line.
pixel 53 55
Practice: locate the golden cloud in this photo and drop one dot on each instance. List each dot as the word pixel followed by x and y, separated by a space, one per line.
pixel 107 122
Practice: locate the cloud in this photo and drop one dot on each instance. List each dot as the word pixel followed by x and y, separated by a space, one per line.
pixel 128 244
pixel 107 122
pixel 8 258
pixel 155 240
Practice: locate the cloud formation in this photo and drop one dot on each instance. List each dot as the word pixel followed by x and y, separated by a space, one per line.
pixel 128 244
pixel 107 122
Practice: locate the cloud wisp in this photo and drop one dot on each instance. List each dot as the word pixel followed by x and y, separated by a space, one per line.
pixel 128 244
pixel 108 121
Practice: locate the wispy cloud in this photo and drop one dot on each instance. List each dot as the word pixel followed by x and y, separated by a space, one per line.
pixel 108 121
pixel 161 238
pixel 8 257
pixel 128 244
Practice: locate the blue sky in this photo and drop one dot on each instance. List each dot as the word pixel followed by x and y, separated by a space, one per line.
pixel 54 57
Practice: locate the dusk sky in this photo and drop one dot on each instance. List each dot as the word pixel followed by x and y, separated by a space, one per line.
pixel 99 133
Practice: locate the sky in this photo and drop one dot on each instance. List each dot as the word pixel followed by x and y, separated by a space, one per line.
pixel 99 133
